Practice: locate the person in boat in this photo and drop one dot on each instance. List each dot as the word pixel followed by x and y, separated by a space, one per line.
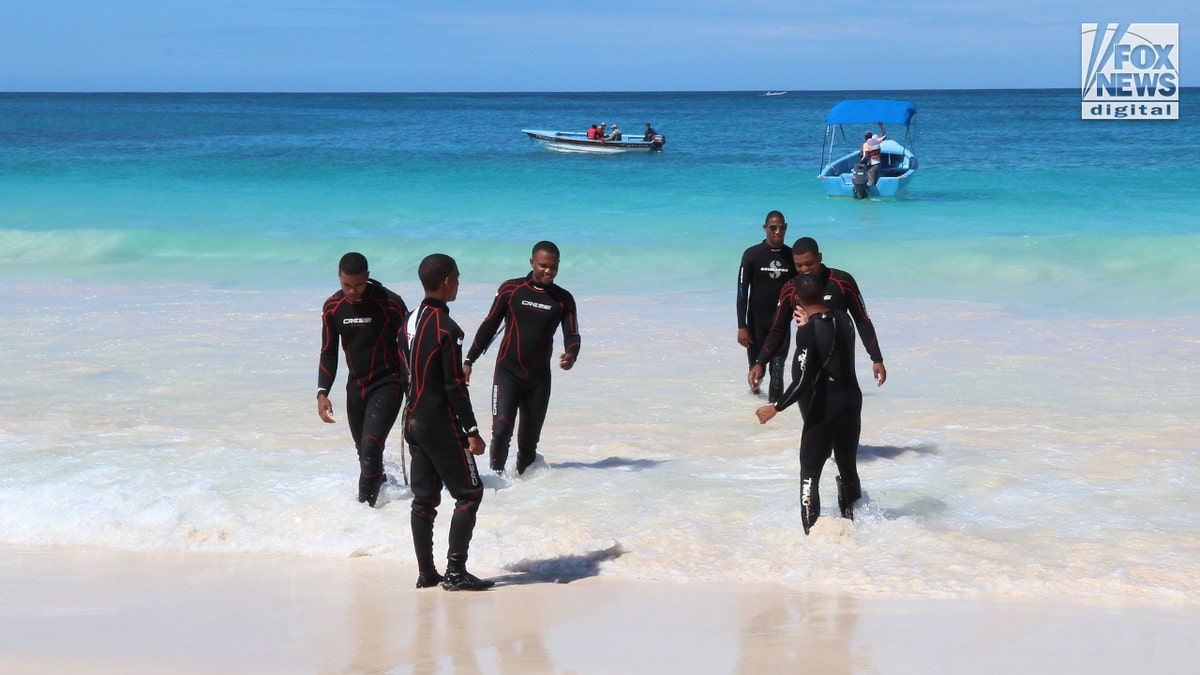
pixel 591 133
pixel 871 153
pixel 825 386
pixel 602 132
pixel 765 268
pixel 650 133
pixel 531 309
pixel 366 318
pixel 841 292
pixel 615 135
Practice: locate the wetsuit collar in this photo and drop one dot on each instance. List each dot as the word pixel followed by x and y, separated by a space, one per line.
pixel 529 280
pixel 435 303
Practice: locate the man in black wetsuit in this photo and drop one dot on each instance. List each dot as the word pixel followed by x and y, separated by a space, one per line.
pixel 826 388
pixel 531 308
pixel 764 270
pixel 367 318
pixel 841 292
pixel 441 430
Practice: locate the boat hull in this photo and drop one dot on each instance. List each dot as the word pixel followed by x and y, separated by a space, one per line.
pixel 568 141
pixel 896 172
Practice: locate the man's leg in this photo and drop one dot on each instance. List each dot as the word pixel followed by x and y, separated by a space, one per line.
pixel 382 407
pixel 815 446
pixel 845 454
pixel 506 392
pixel 427 495
pixel 535 401
pixel 456 466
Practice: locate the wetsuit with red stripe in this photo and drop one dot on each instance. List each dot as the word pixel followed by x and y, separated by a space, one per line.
pixel 368 332
pixel 530 314
pixel 841 292
pixel 439 422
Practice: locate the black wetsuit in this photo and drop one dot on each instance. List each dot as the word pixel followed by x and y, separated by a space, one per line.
pixel 530 314
pixel 763 273
pixel 841 292
pixel 439 422
pixel 826 388
pixel 368 331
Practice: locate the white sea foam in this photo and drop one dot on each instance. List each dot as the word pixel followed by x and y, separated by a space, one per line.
pixel 1034 456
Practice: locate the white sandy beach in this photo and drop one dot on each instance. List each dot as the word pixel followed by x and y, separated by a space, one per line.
pixel 71 610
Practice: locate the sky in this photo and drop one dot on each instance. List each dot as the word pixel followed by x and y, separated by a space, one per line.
pixel 563 45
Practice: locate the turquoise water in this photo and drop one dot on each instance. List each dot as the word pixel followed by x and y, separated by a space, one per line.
pixel 163 259
pixel 1017 199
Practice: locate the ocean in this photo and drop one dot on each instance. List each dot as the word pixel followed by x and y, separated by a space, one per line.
pixel 164 257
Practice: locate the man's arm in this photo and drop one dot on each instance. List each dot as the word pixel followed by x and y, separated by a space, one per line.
pixel 455 381
pixel 570 330
pixel 327 368
pixel 491 324
pixel 745 276
pixel 780 327
pixel 857 308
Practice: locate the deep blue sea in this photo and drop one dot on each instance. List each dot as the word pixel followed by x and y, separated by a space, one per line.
pixel 164 257
pixel 1017 199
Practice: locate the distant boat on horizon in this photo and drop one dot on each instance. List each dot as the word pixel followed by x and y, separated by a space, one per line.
pixel 774 93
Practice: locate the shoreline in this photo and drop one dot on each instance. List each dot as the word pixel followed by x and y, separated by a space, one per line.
pixel 98 611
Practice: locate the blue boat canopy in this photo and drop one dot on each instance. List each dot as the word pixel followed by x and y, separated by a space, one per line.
pixel 870 111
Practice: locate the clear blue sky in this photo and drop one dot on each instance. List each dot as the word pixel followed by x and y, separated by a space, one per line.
pixel 563 45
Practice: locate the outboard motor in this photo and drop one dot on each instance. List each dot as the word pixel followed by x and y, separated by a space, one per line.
pixel 656 142
pixel 859 177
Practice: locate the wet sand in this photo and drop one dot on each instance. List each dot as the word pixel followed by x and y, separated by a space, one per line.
pixel 70 610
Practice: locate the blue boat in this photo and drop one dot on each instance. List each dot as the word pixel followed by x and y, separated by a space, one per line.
pixel 898 163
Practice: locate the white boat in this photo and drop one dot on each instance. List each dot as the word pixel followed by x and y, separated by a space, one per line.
pixel 573 141
pixel 774 93
pixel 897 161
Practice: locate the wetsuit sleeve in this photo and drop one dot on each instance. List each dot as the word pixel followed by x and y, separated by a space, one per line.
pixel 570 325
pixel 801 389
pixel 857 309
pixel 398 316
pixel 456 383
pixel 745 275
pixel 329 350
pixel 780 325
pixel 491 324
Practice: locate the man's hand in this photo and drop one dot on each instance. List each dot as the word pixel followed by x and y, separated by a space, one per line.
pixel 879 372
pixel 800 316
pixel 467 372
pixel 765 413
pixel 744 337
pixel 475 445
pixel 755 377
pixel 324 408
pixel 566 361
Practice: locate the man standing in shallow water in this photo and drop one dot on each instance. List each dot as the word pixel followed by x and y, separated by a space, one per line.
pixel 531 308
pixel 765 268
pixel 841 292
pixel 441 430
pixel 826 388
pixel 367 319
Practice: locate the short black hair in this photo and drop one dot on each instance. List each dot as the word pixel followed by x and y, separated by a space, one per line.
pixel 805 245
pixel 774 214
pixel 353 263
pixel 434 269
pixel 546 246
pixel 809 289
